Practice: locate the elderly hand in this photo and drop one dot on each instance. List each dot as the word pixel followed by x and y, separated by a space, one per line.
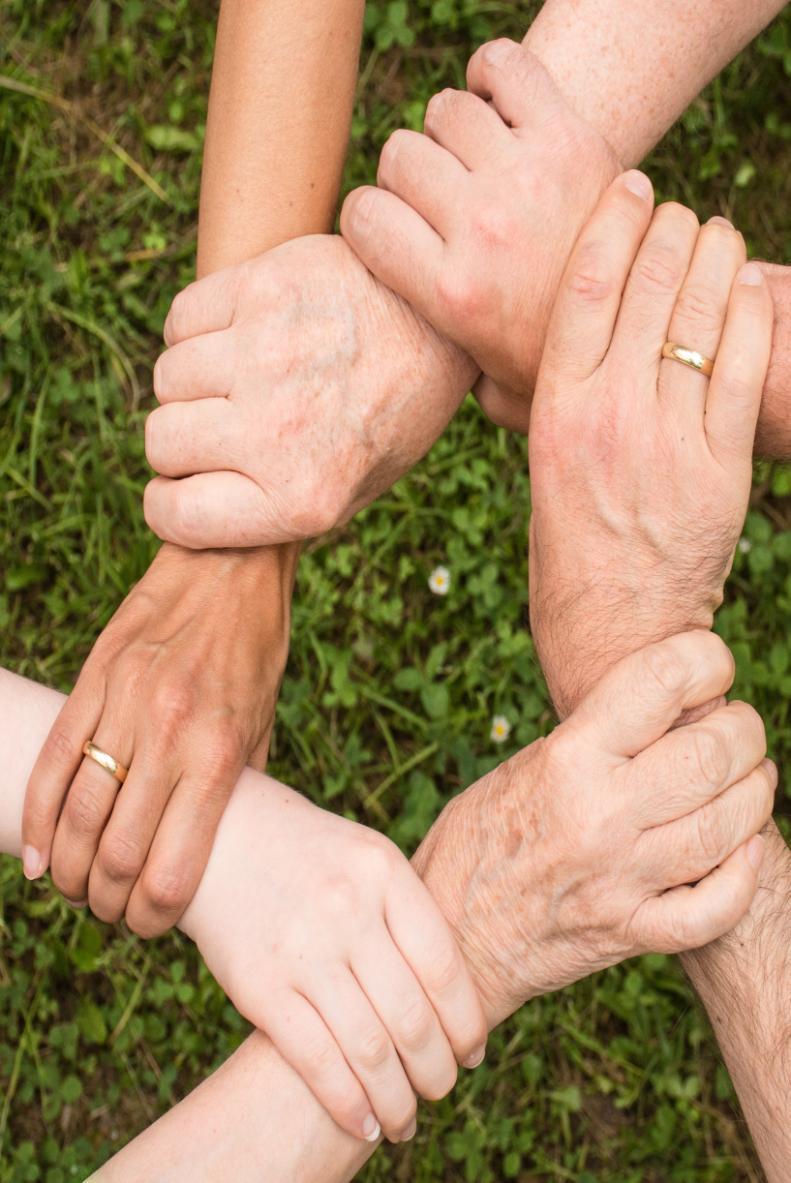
pixel 180 689
pixel 324 937
pixel 295 390
pixel 579 851
pixel 641 467
pixel 473 221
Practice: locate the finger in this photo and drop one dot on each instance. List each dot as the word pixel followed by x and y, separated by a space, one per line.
pixel 180 848
pixel 206 306
pixel 301 1036
pixel 686 850
pixel 408 1017
pixel 199 367
pixel 215 509
pixel 699 316
pixel 515 81
pixel 368 1048
pixel 654 284
pixel 690 917
pixel 469 128
pixel 436 961
pixel 127 837
pixel 734 396
pixel 642 696
pixel 395 243
pixel 187 438
pixel 88 805
pixel 590 292
pixel 54 770
pixel 692 764
pixel 424 175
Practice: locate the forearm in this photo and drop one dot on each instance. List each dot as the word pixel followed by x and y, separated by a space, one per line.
pixel 252 1120
pixel 279 114
pixel 631 67
pixel 744 980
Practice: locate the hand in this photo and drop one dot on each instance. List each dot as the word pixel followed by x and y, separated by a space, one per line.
pixel 641 467
pixel 296 389
pixel 180 688
pixel 576 853
pixel 324 937
pixel 473 221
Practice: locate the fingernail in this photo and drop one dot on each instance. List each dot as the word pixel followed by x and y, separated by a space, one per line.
pixel 76 903
pixel 32 862
pixel 638 183
pixel 750 274
pixel 371 1129
pixel 410 1131
pixel 755 852
pixel 475 1058
pixel 718 221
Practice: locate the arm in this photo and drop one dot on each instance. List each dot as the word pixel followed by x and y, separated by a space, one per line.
pixel 207 634
pixel 442 223
pixel 358 372
pixel 532 907
pixel 641 472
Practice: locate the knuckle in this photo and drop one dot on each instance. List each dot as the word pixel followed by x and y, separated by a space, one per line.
pixel 659 269
pixel 166 889
pixel 172 705
pixel 493 225
pixel 120 859
pixel 588 279
pixel 709 838
pixel 664 666
pixel 443 973
pixel 60 749
pixel 698 303
pixel 373 1051
pixel 462 295
pixel 391 150
pixel 710 756
pixel 175 323
pixel 415 1025
pixel 84 811
pixel 321 1059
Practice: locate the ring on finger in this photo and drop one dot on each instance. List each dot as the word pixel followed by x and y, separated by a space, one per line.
pixel 688 357
pixel 106 761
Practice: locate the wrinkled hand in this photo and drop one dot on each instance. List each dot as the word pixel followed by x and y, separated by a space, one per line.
pixel 641 467
pixel 324 937
pixel 577 852
pixel 180 689
pixel 295 390
pixel 473 221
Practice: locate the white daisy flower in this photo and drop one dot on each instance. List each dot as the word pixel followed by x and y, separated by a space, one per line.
pixel 745 546
pixel 501 729
pixel 439 581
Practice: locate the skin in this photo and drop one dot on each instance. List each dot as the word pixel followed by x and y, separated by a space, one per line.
pixel 205 634
pixel 615 560
pixel 531 904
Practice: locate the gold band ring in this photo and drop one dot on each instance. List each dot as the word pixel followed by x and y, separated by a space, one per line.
pixel 688 357
pixel 105 760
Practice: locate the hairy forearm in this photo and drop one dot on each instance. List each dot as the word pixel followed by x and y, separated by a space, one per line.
pixel 630 67
pixel 744 980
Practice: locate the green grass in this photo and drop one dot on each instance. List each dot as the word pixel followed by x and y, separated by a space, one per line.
pixel 387 705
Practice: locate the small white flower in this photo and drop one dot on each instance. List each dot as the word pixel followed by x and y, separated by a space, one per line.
pixel 745 546
pixel 439 581
pixel 501 729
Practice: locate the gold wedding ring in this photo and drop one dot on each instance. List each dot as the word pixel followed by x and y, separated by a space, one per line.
pixel 688 357
pixel 105 760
